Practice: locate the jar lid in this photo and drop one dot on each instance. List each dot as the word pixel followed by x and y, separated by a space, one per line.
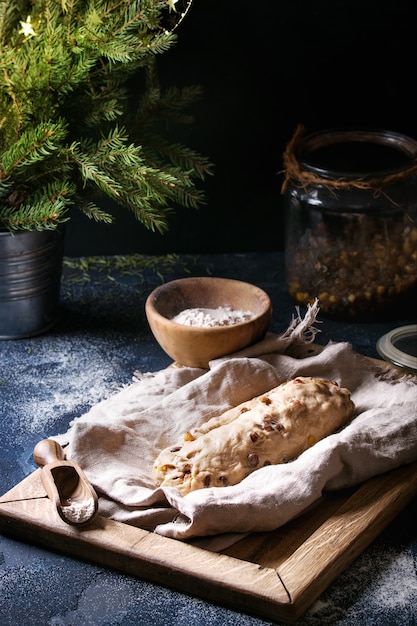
pixel 399 347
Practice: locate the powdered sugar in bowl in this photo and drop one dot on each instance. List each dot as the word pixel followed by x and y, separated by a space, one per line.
pixel 198 319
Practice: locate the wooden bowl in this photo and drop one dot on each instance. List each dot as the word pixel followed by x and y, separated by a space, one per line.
pixel 195 346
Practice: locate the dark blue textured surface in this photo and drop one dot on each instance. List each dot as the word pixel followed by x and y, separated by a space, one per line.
pixel 101 339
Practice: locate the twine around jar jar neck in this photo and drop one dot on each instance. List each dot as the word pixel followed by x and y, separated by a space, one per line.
pixel 299 176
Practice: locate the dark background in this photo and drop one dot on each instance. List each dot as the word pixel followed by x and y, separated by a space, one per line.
pixel 265 67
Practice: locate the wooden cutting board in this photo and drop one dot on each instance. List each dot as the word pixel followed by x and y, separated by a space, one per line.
pixel 274 575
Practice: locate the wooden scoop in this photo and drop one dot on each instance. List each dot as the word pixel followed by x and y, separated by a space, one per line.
pixel 65 484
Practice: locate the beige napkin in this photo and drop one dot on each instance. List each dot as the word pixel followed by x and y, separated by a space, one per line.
pixel 117 441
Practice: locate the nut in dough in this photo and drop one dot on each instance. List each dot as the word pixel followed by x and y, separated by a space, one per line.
pixel 273 428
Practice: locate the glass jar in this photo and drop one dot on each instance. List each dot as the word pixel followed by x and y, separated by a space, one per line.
pixel 351 232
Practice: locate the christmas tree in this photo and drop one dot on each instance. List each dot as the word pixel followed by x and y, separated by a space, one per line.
pixel 71 131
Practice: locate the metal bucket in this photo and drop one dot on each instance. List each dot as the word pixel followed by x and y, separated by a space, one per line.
pixel 30 280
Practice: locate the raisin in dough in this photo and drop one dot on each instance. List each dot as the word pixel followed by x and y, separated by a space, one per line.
pixel 269 429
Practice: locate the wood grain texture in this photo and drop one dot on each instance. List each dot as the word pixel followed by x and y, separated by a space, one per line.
pixel 275 575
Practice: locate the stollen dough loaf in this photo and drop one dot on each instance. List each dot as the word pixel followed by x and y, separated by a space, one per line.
pixel 275 427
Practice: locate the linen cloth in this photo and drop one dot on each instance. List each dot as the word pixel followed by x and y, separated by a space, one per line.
pixel 118 439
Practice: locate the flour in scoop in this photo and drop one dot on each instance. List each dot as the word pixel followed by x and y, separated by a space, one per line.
pixel 209 318
pixel 79 512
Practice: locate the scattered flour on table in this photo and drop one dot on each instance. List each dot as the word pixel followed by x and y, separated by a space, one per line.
pixel 65 380
pixel 209 318
pixel 387 583
pixel 396 574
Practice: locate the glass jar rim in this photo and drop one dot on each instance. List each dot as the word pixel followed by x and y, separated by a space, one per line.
pixel 307 144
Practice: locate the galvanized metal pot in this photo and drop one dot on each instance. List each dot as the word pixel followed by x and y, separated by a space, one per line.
pixel 30 280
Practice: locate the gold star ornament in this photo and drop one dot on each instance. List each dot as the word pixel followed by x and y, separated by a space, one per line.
pixel 27 28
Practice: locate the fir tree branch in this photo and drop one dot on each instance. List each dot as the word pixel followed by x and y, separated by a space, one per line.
pixel 66 118
pixel 33 146
pixel 43 209
pixel 94 212
pixel 91 172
